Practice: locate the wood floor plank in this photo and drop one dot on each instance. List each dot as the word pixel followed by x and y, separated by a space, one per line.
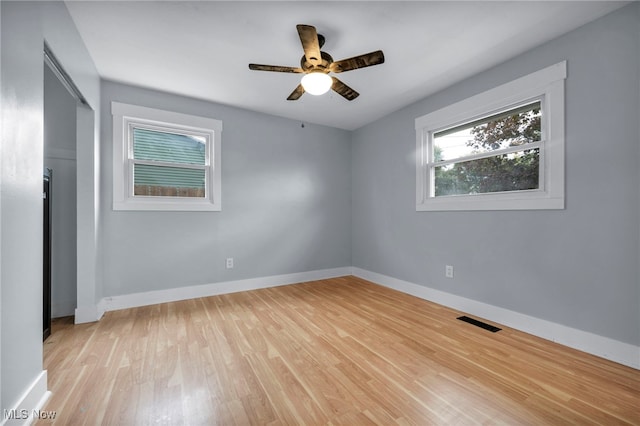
pixel 332 352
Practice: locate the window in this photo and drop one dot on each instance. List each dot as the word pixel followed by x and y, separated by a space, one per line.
pixel 500 150
pixel 164 160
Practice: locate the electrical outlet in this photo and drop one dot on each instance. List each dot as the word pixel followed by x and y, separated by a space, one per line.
pixel 448 271
pixel 229 262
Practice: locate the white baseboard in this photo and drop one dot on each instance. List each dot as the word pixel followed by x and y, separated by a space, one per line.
pixel 89 313
pixel 33 399
pixel 613 350
pixel 191 292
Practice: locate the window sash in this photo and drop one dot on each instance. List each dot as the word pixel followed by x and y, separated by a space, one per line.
pixel 177 130
pixel 520 107
pixel 490 179
pixel 508 111
pixel 430 166
pixel 505 112
pixel 131 187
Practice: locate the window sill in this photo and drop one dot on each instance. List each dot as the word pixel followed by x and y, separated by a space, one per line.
pixel 168 205
pixel 531 201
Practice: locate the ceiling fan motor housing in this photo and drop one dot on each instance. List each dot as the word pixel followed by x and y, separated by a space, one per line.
pixel 315 63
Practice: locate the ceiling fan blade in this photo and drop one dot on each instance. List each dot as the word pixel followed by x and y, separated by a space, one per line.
pixel 274 68
pixel 295 95
pixel 361 61
pixel 310 44
pixel 342 89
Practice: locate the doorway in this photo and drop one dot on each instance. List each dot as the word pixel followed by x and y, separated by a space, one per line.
pixel 60 159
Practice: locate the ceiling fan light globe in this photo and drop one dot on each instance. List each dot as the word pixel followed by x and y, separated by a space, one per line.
pixel 316 83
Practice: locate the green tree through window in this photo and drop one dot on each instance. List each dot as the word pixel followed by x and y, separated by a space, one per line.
pixel 512 171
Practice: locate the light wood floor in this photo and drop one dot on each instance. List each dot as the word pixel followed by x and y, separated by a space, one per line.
pixel 339 351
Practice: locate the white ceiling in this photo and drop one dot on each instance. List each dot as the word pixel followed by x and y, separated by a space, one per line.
pixel 202 49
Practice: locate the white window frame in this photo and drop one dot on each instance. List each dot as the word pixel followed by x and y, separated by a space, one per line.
pixel 546 85
pixel 125 117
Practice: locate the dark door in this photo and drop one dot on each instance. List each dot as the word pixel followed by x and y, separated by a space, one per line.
pixel 46 267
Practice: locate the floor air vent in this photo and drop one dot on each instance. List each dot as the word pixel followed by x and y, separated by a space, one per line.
pixel 479 324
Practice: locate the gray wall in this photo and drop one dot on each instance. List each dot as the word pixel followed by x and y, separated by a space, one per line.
pixel 25 27
pixel 60 156
pixel 21 200
pixel 578 266
pixel 286 204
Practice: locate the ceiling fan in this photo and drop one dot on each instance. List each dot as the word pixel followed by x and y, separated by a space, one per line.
pixel 316 66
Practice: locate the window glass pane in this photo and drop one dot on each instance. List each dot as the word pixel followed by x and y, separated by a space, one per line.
pixel 168 147
pixel 510 128
pixel 161 181
pixel 508 172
